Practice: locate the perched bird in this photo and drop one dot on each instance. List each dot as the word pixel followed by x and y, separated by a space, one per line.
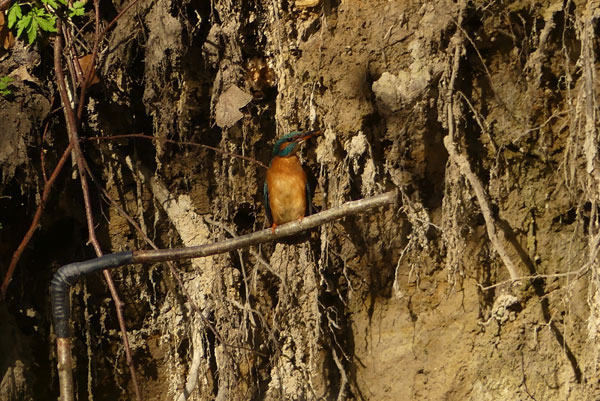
pixel 286 191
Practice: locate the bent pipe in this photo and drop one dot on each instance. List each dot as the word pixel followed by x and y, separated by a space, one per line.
pixel 67 275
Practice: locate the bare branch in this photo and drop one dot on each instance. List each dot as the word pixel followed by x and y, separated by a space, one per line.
pixel 34 223
pixel 266 235
pixel 144 136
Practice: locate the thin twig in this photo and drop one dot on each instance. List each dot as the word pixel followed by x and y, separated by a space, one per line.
pixel 34 223
pixel 487 72
pixel 266 265
pixel 70 50
pixel 144 136
pixel 42 157
pixel 578 273
pixel 344 377
pixel 119 15
pixel 90 72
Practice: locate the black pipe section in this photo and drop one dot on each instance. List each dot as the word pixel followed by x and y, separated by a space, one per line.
pixel 67 275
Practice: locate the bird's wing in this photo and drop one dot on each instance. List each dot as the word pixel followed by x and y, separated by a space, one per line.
pixel 267 205
pixel 308 200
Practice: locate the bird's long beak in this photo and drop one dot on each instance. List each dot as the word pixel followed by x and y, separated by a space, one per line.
pixel 306 135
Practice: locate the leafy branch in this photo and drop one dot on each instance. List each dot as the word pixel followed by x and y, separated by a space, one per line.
pixel 35 18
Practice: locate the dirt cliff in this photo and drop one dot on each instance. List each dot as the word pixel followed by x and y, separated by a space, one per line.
pixel 481 284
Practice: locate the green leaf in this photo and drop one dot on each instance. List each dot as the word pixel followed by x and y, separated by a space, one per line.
pixel 14 14
pixel 51 3
pixel 4 83
pixel 25 21
pixel 76 12
pixel 32 31
pixel 78 9
pixel 20 31
pixel 35 20
pixel 48 23
pixel 6 80
pixel 22 24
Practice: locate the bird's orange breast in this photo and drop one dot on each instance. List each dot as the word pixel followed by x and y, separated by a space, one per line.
pixel 286 183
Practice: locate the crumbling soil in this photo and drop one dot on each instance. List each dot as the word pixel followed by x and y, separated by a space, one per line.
pixel 412 302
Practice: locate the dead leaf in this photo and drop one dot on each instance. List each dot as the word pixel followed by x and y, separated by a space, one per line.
pixel 84 63
pixel 23 75
pixel 227 111
pixel 7 39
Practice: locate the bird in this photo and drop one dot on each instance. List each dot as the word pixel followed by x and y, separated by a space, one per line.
pixel 286 190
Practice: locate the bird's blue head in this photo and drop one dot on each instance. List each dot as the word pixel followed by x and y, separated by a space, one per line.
pixel 287 145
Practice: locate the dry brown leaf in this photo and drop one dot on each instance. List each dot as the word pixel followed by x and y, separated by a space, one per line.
pixel 23 75
pixel 84 63
pixel 227 111
pixel 7 39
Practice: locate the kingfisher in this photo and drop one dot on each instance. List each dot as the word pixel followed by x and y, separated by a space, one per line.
pixel 286 190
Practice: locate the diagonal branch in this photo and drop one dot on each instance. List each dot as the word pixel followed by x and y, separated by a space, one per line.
pixel 34 223
pixel 72 127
